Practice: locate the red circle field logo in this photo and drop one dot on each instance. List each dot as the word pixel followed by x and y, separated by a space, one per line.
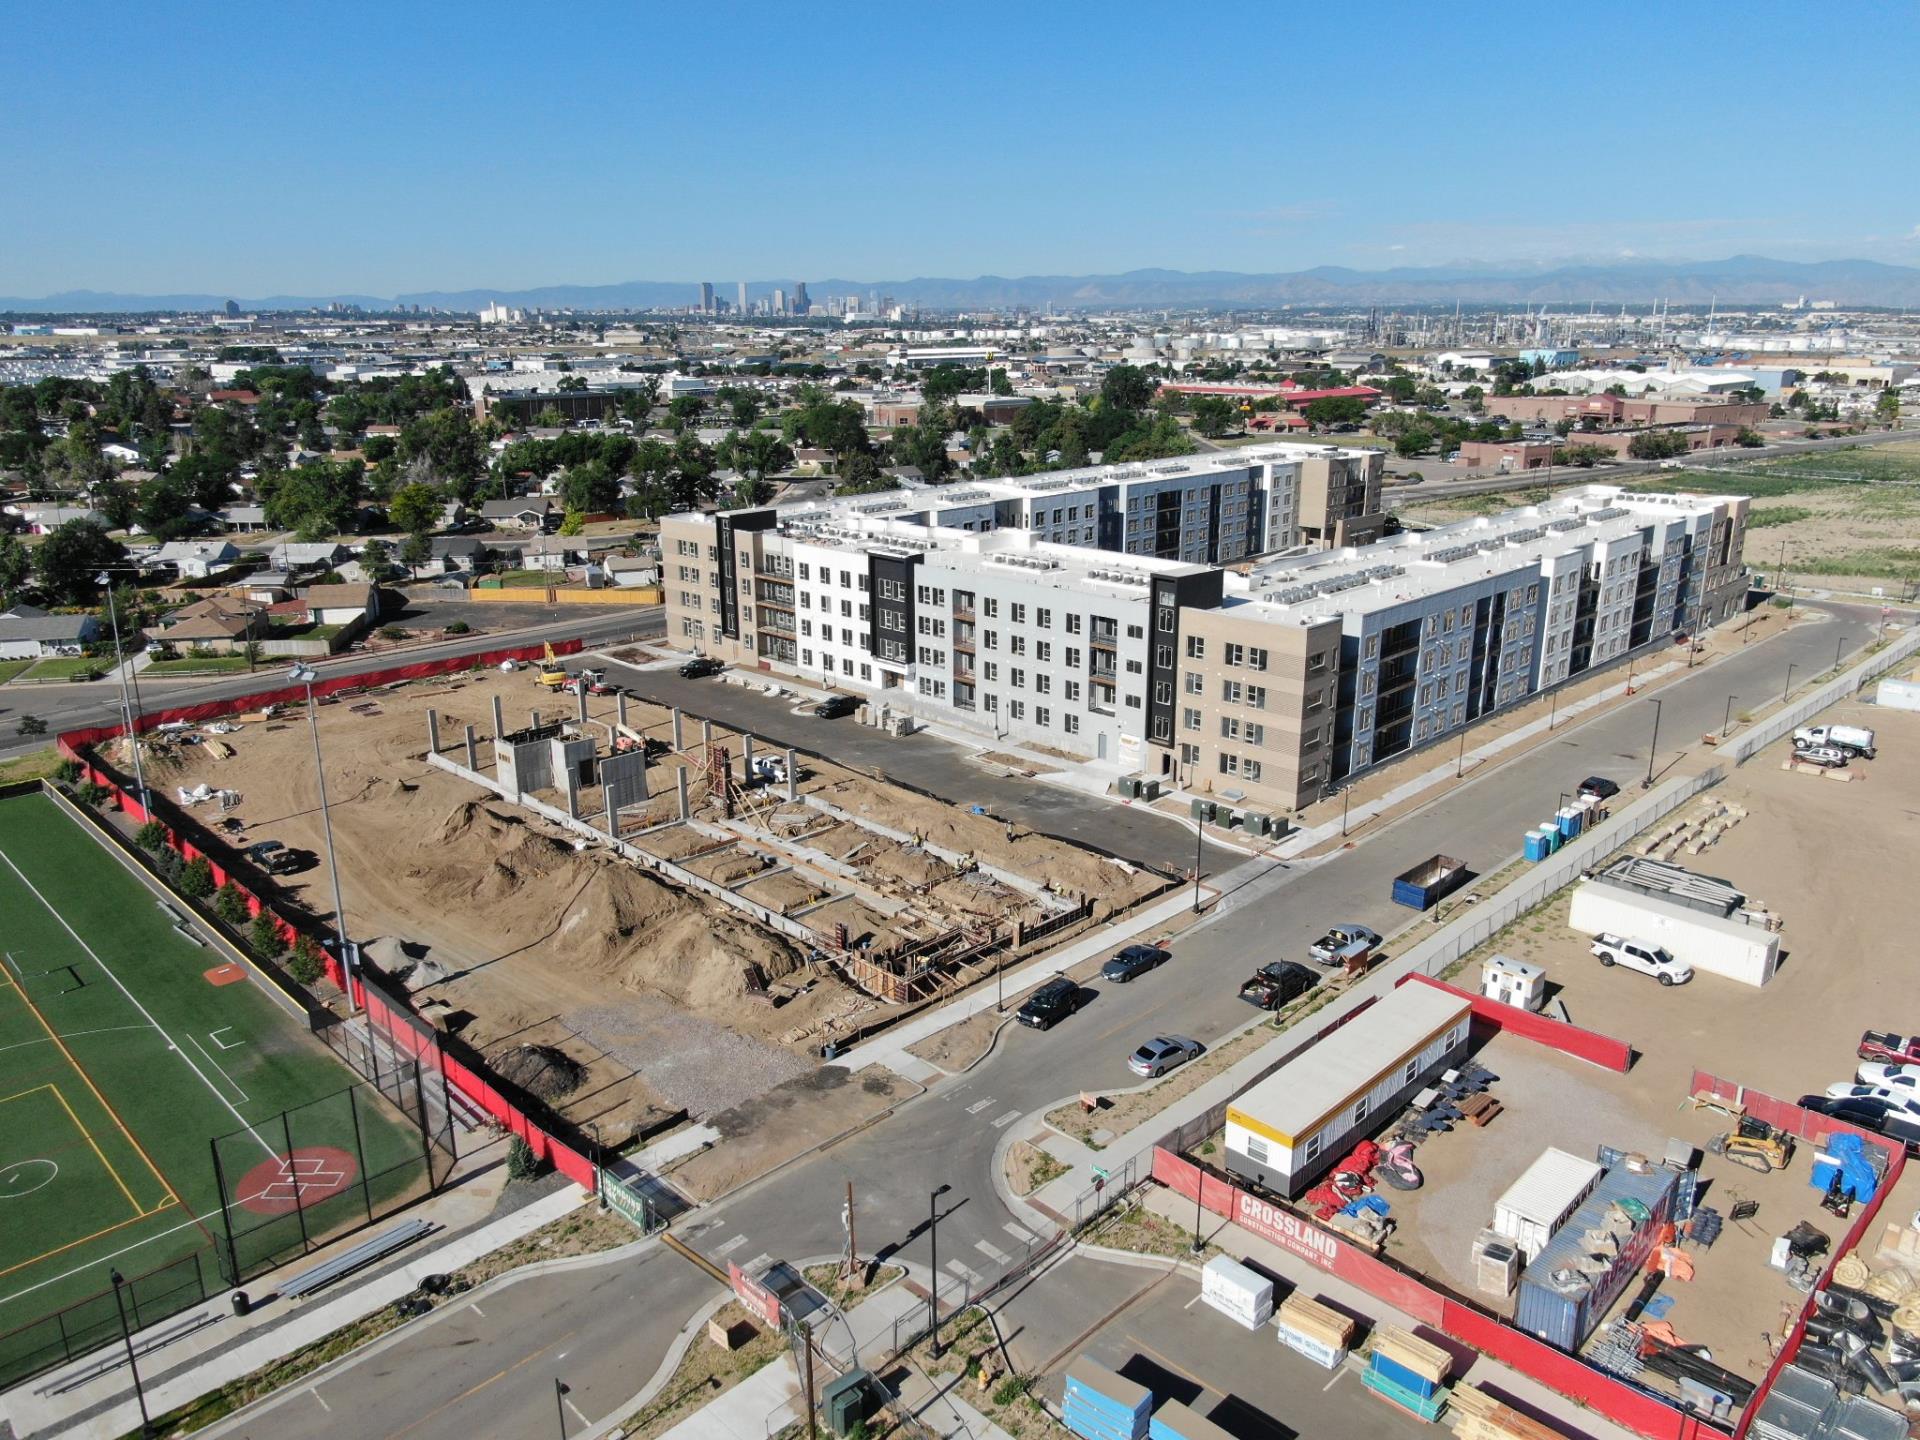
pixel 306 1176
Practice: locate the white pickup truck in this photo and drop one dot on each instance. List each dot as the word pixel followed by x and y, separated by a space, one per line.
pixel 1641 955
pixel 1852 738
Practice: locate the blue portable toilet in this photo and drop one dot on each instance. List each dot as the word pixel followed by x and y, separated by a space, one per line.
pixel 1570 821
pixel 1536 846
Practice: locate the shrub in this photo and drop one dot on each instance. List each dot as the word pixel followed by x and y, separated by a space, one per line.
pixel 196 878
pixel 230 905
pixel 522 1163
pixel 150 836
pixel 68 772
pixel 263 937
pixel 169 864
pixel 459 627
pixel 392 632
pixel 1011 1389
pixel 94 795
pixel 307 964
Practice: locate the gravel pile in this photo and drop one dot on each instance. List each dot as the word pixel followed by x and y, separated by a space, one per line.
pixel 688 1061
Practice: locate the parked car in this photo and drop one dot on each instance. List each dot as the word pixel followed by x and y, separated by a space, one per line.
pixel 1875 1116
pixel 1344 945
pixel 1906 1076
pixel 1599 787
pixel 1277 982
pixel 1903 1100
pixel 700 666
pixel 600 685
pixel 1827 757
pixel 1886 1046
pixel 1854 739
pixel 1132 961
pixel 1641 955
pixel 1050 1004
pixel 834 706
pixel 1163 1053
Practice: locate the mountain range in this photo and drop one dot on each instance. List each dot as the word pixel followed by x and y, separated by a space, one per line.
pixel 1740 279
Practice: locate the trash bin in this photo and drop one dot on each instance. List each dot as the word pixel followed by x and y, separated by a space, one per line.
pixel 241 1304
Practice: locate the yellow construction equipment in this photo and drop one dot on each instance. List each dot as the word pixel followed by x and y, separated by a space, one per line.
pixel 552 674
pixel 1756 1145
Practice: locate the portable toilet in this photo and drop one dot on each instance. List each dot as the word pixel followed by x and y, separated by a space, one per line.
pixel 1536 844
pixel 1550 832
pixel 1570 820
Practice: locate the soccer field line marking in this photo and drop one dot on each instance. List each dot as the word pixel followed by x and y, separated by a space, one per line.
pixel 214 1035
pixel 99 1154
pixel 58 1249
pixel 71 1035
pixel 245 1099
pixel 87 1080
pixel 134 1001
pixel 187 1224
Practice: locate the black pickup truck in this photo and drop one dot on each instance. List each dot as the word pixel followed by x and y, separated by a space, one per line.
pixel 1277 982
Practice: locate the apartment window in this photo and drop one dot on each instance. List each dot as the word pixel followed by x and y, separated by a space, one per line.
pixel 1073 689
pixel 1133 702
pixel 1073 657
pixel 1372 647
pixel 1234 653
pixel 1229 728
pixel 1019 614
pixel 991 704
pixel 1043 651
pixel 1017 709
pixel 893 590
pixel 1043 617
pixel 1230 692
pixel 1042 682
pixel 991 670
pixel 866 672
pixel 1073 622
pixel 1190 719
pixel 1070 722
pixel 806 571
pixel 1042 716
pixel 1136 632
pixel 899 586
pixel 806 657
pixel 1250 771
pixel 806 628
pixel 1193 683
pixel 1256 734
pixel 1256 696
pixel 1162 692
pixel 1017 644
pixel 1189 754
pixel 1019 679
pixel 1229 764
pixel 1163 618
pixel 1196 647
pixel 1256 658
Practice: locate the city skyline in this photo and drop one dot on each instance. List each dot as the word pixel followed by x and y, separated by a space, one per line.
pixel 1512 141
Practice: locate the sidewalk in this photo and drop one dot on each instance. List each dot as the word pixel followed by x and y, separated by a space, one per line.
pixel 1245 1245
pixel 183 1358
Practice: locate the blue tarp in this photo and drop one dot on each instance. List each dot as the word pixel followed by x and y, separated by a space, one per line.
pixel 1364 1204
pixel 1857 1177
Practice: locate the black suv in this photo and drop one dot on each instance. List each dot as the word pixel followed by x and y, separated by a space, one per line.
pixel 834 706
pixel 1599 787
pixel 1055 1000
pixel 700 665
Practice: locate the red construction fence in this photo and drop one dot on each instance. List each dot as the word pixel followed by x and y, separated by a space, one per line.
pixel 1602 1050
pixel 409 1034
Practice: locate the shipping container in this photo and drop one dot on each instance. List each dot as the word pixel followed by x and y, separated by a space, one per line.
pixel 1243 1295
pixel 1538 1203
pixel 1564 1311
pixel 1286 1130
pixel 1720 945
pixel 1429 882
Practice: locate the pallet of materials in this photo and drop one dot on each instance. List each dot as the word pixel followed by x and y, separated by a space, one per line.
pixel 1408 1372
pixel 1317 1331
pixel 1476 1415
pixel 1174 1421
pixel 1244 1296
pixel 1100 1405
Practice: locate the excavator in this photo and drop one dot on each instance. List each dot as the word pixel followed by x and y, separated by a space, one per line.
pixel 552 674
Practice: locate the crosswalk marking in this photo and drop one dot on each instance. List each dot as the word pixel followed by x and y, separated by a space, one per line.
pixel 757 1263
pixel 992 1252
pixel 1006 1120
pixel 979 1105
pixel 727 1247
pixel 1019 1232
pixel 965 1272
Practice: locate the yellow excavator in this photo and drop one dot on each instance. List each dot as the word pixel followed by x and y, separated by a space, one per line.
pixel 552 674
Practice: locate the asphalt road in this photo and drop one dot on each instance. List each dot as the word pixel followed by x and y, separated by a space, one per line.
pixel 66 707
pixel 948 1136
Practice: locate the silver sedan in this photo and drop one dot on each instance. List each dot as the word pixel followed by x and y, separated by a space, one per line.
pixel 1163 1053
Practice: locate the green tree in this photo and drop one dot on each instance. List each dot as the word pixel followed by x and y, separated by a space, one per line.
pixel 150 836
pixel 1584 457
pixel 1657 445
pixel 165 508
pixel 375 557
pixel 589 489
pixel 16 564
pixel 315 501
pixel 1127 387
pixel 1887 407
pixel 1213 415
pixel 684 411
pixel 68 560
pixel 452 449
pixel 416 550
pixel 1332 410
pixel 230 905
pixel 264 936
pixel 196 879
pixel 572 523
pixel 307 964
pixel 415 507
pixel 1416 441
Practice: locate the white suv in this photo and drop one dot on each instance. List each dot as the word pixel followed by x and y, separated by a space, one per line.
pixel 1644 956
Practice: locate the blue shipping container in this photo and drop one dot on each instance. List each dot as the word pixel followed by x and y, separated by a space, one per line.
pixel 1566 1319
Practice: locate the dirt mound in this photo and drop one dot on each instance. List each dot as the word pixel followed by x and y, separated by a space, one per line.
pixel 539 1070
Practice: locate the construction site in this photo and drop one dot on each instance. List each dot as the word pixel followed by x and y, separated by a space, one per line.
pixel 632 912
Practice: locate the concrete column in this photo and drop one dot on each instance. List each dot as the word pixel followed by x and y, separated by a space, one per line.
pixel 793 792
pixel 680 785
pixel 499 725
pixel 473 751
pixel 582 698
pixel 620 707
pixel 573 792
pixel 535 722
pixel 746 759
pixel 679 740
pixel 612 812
pixel 706 733
pixel 433 732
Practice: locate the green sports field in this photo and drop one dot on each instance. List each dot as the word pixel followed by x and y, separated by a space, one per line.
pixel 125 1049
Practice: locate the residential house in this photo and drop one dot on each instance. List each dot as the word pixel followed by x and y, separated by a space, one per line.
pixel 464 552
pixel 526 513
pixel 196 559
pixel 630 571
pixel 341 604
pixel 249 519
pixel 27 632
pixel 220 623
pixel 43 517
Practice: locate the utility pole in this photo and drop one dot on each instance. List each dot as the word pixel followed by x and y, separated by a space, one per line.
pixel 127 707
pixel 305 675
pixel 146 1422
pixel 806 1341
pixel 933 1245
pixel 560 1404
pixel 1653 745
pixel 1199 839
pixel 1788 690
pixel 853 1253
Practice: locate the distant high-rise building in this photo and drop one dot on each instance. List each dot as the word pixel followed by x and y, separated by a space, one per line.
pixel 233 309
pixel 801 305
pixel 779 302
pixel 741 302
pixel 706 298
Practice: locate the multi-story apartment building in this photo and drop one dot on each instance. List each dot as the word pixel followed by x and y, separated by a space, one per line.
pixel 1269 682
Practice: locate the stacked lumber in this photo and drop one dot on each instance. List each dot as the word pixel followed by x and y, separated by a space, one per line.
pixel 1320 1322
pixel 1478 1416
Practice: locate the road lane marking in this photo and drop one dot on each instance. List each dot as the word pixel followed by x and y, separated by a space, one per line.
pixel 758 1263
pixel 322 1399
pixel 477 1310
pixel 1006 1120
pixel 966 1273
pixel 1019 1232
pixel 979 1105
pixel 727 1247
pixel 1334 1381
pixel 992 1252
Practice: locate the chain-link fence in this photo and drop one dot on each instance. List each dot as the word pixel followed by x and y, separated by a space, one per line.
pixel 310 1174
pixel 86 1325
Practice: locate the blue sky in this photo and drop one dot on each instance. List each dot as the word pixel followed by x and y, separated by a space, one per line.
pixel 323 147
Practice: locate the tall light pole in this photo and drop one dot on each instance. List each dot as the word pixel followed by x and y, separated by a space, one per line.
pixel 1199 840
pixel 933 1241
pixel 1652 745
pixel 304 675
pixel 1788 688
pixel 126 702
pixel 146 1422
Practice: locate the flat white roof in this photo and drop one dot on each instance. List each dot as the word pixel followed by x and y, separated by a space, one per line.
pixel 1548 1186
pixel 1326 1078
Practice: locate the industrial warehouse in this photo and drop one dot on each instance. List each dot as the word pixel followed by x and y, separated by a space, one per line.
pixel 1268 681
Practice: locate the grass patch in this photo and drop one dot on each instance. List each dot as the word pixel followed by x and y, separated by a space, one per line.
pixel 1889 562
pixel 1134 1227
pixel 705 1372
pixel 829 1282
pixel 68 667
pixel 1778 515
pixel 204 665
pixel 11 668
pixel 34 765
pixel 539 578
pixel 1029 1167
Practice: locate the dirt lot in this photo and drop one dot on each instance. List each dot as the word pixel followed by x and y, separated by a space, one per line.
pixel 628 990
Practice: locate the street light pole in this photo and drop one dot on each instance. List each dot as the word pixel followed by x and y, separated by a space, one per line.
pixel 304 675
pixel 1789 686
pixel 126 701
pixel 560 1404
pixel 1727 719
pixel 1199 839
pixel 1652 745
pixel 146 1422
pixel 933 1241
